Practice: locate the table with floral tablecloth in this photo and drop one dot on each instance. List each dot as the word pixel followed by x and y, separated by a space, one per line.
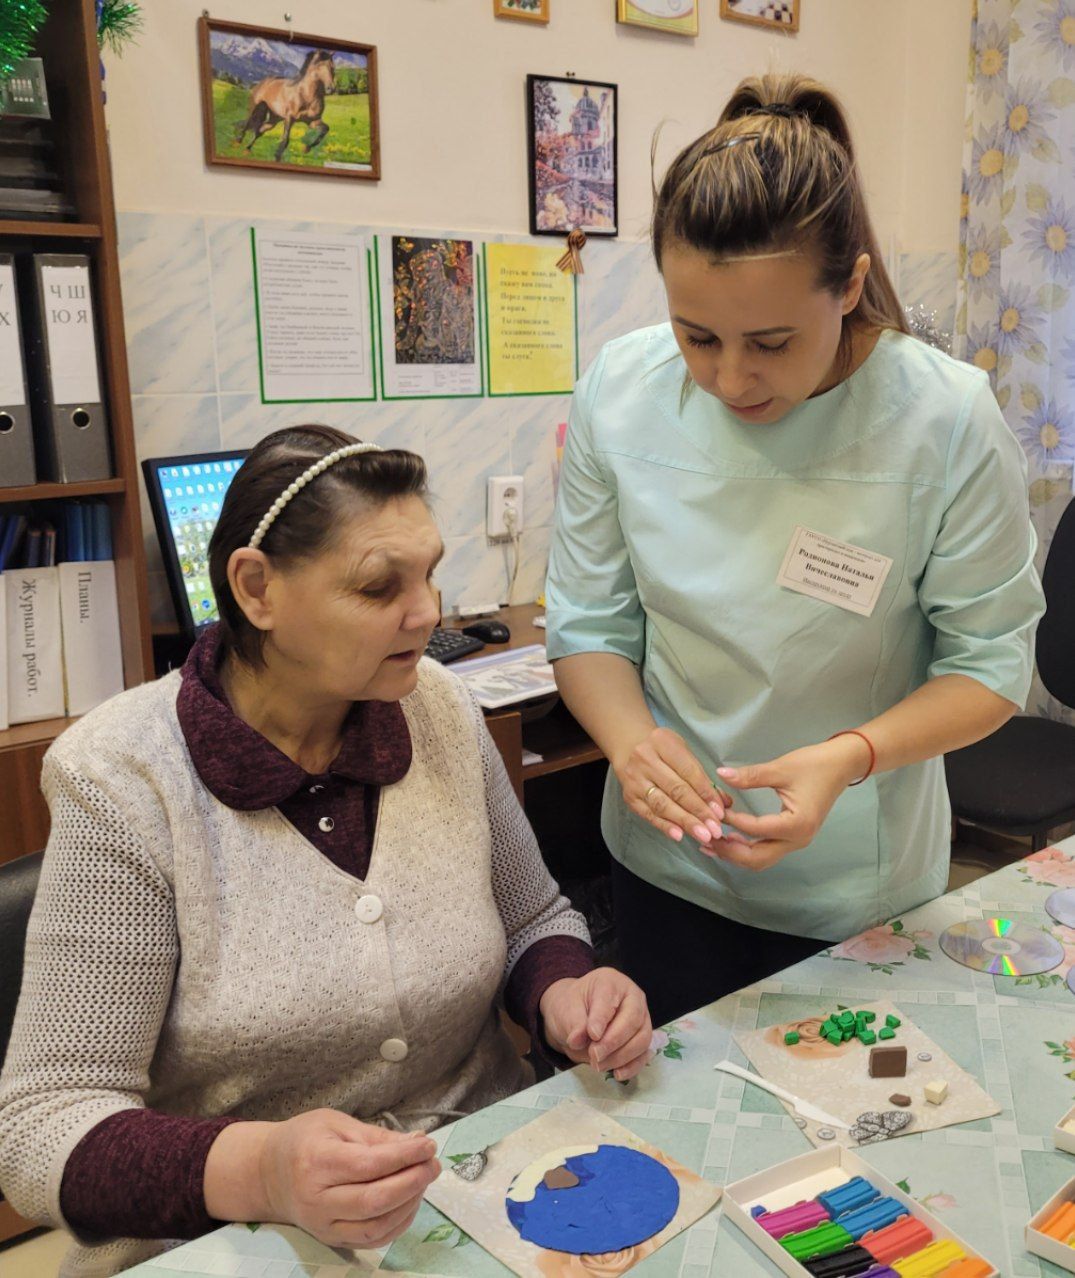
pixel 984 1179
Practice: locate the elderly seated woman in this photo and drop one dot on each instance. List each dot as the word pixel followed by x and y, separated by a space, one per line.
pixel 285 891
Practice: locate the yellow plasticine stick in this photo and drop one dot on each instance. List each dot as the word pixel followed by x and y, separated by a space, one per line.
pixel 931 1260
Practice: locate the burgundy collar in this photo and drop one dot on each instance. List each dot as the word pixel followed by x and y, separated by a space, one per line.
pixel 245 771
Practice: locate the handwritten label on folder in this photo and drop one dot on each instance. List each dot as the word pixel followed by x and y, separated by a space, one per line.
pixel 833 571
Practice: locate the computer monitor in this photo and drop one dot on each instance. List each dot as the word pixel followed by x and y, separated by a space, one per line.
pixel 185 495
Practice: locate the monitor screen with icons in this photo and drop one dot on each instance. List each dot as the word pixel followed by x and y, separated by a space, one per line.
pixel 185 495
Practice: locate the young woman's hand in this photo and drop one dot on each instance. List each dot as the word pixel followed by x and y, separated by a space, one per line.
pixel 808 782
pixel 664 783
pixel 348 1183
pixel 601 1019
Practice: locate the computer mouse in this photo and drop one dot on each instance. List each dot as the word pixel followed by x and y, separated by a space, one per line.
pixel 488 631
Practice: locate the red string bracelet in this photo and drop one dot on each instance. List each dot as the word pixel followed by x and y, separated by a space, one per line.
pixel 854 732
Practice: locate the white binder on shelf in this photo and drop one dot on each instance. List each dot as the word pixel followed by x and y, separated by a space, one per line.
pixel 70 428
pixel 34 644
pixel 92 656
pixel 16 432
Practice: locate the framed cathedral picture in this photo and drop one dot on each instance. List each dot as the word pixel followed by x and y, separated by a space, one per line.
pixel 572 145
pixel 781 14
pixel 295 103
pixel 679 17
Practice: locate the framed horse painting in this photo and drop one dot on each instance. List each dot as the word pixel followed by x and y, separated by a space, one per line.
pixel 294 103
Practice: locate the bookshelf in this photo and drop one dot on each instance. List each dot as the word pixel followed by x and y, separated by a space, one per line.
pixel 68 45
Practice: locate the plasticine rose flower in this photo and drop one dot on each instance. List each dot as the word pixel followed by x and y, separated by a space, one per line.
pixel 810 1043
pixel 658 1042
pixel 878 945
pixel 1050 867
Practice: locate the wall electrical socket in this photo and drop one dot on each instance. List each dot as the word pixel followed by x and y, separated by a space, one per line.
pixel 503 500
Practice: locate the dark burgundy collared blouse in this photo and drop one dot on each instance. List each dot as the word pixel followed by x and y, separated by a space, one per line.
pixel 140 1173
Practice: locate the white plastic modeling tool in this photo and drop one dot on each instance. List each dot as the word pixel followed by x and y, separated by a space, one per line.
pixel 814 1112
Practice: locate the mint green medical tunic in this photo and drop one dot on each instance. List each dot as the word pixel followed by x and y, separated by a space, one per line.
pixel 673 520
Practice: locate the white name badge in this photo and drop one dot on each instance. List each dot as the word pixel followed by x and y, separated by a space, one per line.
pixel 833 571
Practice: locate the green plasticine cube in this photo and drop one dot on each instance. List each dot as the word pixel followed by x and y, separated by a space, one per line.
pixel 846 1019
pixel 886 1032
pixel 835 1038
pixel 869 1017
pixel 867 1038
pixel 791 1038
pixel 893 1022
pixel 848 1034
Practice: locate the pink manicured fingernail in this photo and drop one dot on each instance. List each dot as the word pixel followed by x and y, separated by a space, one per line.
pixel 729 774
pixel 702 834
pixel 718 811
pixel 715 829
pixel 674 832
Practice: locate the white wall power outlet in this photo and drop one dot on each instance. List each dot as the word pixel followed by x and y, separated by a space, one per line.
pixel 504 506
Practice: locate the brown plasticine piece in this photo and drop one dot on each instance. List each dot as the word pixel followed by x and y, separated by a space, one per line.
pixel 888 1062
pixel 898 1098
pixel 560 1178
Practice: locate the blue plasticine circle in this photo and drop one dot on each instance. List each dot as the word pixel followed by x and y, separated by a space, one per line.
pixel 623 1197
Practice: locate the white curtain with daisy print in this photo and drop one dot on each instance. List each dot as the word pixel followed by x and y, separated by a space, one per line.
pixel 1016 302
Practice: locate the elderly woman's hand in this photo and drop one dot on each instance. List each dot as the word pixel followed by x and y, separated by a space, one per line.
pixel 344 1181
pixel 600 1018
pixel 348 1183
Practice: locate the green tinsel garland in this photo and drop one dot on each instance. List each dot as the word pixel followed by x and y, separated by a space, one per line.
pixel 118 22
pixel 20 21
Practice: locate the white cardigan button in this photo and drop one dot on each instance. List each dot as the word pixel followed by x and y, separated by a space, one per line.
pixel 369 908
pixel 394 1049
pixel 326 825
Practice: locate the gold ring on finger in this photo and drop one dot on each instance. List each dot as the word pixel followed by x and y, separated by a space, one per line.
pixel 645 797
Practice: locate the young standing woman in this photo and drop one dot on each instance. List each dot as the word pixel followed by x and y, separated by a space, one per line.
pixel 793 559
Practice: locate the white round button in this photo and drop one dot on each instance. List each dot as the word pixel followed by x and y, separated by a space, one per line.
pixel 394 1049
pixel 369 908
pixel 326 825
pixel 316 789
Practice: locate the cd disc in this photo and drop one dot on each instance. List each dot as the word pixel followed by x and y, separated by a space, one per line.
pixel 1002 947
pixel 1061 906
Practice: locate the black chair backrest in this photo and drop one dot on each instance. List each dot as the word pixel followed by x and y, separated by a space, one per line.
pixel 1055 647
pixel 18 883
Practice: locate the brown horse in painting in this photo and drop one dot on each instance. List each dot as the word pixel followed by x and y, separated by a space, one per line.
pixel 300 97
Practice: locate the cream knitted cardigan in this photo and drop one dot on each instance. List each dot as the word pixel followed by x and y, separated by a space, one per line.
pixel 200 960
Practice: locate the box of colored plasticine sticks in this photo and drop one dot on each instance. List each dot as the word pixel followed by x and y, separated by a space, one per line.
pixel 829 1214
pixel 1051 1232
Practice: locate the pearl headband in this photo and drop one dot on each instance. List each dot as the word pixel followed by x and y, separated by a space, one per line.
pixel 296 486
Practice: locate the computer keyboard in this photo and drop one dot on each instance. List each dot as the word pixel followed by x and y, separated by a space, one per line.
pixel 450 645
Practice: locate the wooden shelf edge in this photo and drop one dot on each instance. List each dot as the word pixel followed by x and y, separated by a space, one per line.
pixel 23 736
pixel 50 492
pixel 10 227
pixel 557 760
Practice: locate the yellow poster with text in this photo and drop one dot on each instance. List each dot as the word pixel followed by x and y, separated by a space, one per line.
pixel 530 325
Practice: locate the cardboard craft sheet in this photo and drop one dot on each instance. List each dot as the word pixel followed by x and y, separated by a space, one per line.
pixel 553 1151
pixel 837 1078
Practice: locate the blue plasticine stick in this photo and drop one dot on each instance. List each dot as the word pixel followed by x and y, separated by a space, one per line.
pixel 844 1198
pixel 878 1214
